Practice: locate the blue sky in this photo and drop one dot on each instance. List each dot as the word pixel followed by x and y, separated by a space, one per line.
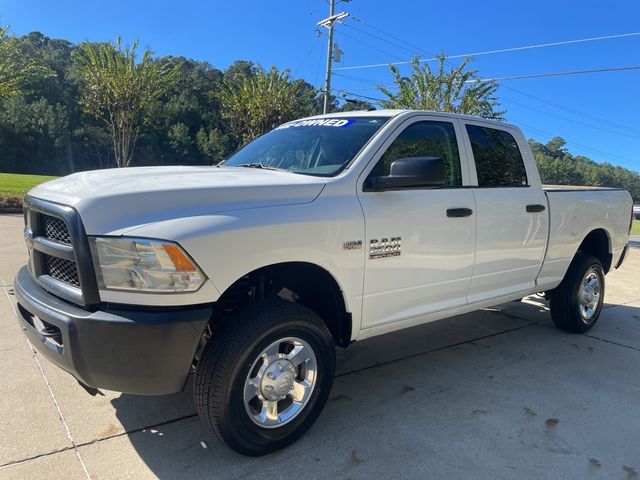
pixel 596 113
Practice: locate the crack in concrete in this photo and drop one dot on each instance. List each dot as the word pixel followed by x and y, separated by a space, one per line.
pixel 614 305
pixel 612 342
pixel 35 457
pixel 98 440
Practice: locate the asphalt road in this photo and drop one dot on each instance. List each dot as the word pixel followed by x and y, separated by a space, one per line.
pixel 498 393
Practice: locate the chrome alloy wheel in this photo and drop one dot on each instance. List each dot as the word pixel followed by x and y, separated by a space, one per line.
pixel 280 382
pixel 589 295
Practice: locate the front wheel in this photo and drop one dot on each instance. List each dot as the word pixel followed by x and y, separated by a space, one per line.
pixel 577 302
pixel 265 376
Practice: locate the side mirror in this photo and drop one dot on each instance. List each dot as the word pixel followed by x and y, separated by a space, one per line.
pixel 411 172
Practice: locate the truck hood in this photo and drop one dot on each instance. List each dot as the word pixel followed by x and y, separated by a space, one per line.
pixel 115 201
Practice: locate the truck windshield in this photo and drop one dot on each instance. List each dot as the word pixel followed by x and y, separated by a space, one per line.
pixel 320 147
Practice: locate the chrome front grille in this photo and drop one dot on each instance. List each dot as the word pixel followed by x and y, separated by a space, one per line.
pixel 62 270
pixel 54 228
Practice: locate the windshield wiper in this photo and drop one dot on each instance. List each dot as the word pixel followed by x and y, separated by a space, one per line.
pixel 262 166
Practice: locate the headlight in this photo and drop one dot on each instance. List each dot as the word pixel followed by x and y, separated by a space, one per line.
pixel 144 265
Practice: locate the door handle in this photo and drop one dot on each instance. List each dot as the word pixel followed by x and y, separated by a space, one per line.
pixel 459 212
pixel 535 208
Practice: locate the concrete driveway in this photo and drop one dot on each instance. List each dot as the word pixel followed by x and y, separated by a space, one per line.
pixel 499 393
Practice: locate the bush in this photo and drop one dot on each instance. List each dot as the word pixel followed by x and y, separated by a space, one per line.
pixel 10 203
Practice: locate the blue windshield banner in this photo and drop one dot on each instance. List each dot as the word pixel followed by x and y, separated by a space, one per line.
pixel 320 122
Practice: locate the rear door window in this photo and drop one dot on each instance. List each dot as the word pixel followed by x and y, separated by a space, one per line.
pixel 497 158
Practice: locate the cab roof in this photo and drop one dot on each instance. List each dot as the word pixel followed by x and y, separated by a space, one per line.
pixel 389 113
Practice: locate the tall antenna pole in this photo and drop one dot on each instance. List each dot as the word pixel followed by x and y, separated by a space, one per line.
pixel 328 23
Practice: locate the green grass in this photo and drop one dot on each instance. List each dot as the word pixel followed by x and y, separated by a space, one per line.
pixel 17 185
pixel 635 229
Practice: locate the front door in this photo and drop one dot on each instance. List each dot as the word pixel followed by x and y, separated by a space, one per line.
pixel 420 241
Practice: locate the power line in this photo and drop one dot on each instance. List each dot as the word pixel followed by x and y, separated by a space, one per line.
pixel 599 152
pixel 413 47
pixel 548 102
pixel 569 119
pixel 620 126
pixel 368 45
pixel 304 59
pixel 553 104
pixel 412 50
pixel 525 106
pixel 585 147
pixel 368 89
pixel 574 111
pixel 316 80
pixel 557 74
pixel 360 79
pixel 530 75
pixel 358 95
pixel 502 50
pixel 611 156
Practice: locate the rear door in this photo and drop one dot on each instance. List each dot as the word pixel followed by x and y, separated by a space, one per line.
pixel 512 216
pixel 419 257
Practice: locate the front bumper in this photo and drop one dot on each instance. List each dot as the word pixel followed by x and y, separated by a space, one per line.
pixel 145 351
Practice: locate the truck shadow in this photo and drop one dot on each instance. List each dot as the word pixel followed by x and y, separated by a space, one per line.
pixel 402 400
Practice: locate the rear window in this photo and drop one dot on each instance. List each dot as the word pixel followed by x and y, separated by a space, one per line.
pixel 497 158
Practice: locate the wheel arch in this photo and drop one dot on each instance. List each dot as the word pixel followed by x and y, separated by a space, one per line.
pixel 302 282
pixel 598 244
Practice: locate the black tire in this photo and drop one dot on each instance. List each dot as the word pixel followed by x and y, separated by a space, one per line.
pixel 230 354
pixel 564 299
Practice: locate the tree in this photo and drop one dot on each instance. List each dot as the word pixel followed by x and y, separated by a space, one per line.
pixel 119 91
pixel 455 89
pixel 257 103
pixel 240 69
pixel 214 145
pixel 29 132
pixel 556 145
pixel 180 139
pixel 559 167
pixel 351 105
pixel 16 67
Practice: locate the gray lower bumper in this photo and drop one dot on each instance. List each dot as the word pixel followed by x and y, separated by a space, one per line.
pixel 143 350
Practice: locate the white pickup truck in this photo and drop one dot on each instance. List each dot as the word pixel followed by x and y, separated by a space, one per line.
pixel 324 231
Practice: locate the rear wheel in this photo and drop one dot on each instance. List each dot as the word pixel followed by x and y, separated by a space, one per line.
pixel 265 376
pixel 577 302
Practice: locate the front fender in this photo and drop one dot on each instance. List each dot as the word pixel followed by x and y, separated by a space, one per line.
pixel 229 246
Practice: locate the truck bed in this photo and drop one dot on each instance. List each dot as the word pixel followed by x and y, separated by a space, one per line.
pixel 575 211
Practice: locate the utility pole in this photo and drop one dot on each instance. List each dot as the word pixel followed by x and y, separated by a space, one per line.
pixel 328 23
